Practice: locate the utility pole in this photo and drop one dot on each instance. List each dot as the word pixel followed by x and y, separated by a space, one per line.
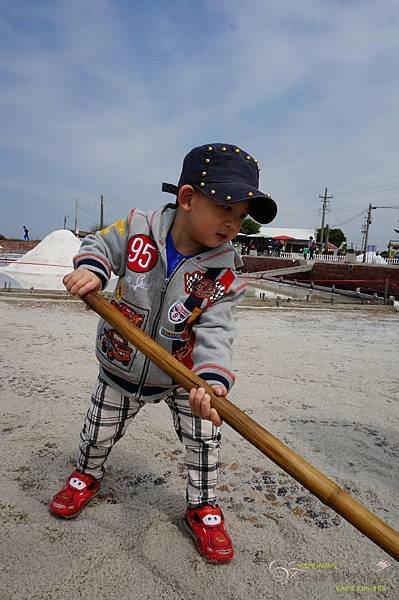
pixel 327 236
pixel 363 231
pixel 101 212
pixel 325 198
pixel 76 216
pixel 366 232
pixel 368 223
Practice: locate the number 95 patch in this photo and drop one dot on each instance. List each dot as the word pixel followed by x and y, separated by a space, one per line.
pixel 142 254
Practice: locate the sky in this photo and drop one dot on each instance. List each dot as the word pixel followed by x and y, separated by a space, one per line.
pixel 107 96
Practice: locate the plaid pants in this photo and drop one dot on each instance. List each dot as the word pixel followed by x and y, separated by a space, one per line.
pixel 111 412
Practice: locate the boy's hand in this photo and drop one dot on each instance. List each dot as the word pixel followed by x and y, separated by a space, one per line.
pixel 81 282
pixel 200 403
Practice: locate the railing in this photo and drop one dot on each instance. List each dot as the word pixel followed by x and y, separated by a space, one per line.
pixel 372 259
pixel 319 257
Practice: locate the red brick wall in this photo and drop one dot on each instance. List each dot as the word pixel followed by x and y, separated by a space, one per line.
pixel 264 263
pixel 369 278
pixel 15 246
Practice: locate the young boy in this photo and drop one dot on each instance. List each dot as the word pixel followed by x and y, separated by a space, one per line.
pixel 178 282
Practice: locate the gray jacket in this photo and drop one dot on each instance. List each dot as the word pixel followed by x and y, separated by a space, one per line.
pixel 189 313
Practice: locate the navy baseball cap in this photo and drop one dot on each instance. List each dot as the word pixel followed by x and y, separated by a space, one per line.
pixel 226 173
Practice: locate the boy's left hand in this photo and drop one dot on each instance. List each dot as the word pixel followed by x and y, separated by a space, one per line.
pixel 200 403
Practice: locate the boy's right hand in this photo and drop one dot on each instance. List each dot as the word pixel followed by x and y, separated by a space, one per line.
pixel 81 282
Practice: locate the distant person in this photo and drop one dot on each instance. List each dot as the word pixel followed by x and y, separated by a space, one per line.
pixel 277 247
pixel 26 232
pixel 305 252
pixel 252 249
pixel 312 247
pixel 178 275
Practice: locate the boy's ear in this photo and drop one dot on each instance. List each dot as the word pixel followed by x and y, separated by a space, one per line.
pixel 185 196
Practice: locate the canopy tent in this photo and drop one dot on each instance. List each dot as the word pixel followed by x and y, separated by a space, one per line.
pixel 331 246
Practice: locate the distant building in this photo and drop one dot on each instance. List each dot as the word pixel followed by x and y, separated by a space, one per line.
pixel 294 239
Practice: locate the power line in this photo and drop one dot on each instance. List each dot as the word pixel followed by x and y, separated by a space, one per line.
pixel 379 189
pixel 91 206
pixel 351 208
pixel 299 213
pixel 113 215
pixel 350 220
pixel 369 185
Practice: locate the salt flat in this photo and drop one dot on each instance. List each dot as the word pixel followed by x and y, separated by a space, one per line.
pixel 323 381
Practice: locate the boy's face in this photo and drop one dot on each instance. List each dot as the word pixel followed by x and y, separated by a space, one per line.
pixel 210 223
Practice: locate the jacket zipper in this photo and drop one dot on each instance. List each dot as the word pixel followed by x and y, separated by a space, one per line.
pixel 155 324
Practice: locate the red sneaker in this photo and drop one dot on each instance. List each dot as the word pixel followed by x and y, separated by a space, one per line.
pixel 79 488
pixel 206 527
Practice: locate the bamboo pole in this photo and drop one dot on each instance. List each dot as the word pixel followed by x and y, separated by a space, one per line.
pixel 326 490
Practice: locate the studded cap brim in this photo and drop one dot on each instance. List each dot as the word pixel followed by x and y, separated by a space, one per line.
pixel 262 208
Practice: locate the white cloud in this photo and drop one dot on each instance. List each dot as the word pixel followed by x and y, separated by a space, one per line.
pixel 95 99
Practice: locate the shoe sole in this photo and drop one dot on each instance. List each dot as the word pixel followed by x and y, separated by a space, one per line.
pixel 187 529
pixel 75 514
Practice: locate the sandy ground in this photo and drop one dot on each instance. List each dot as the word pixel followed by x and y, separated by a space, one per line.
pixel 323 381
